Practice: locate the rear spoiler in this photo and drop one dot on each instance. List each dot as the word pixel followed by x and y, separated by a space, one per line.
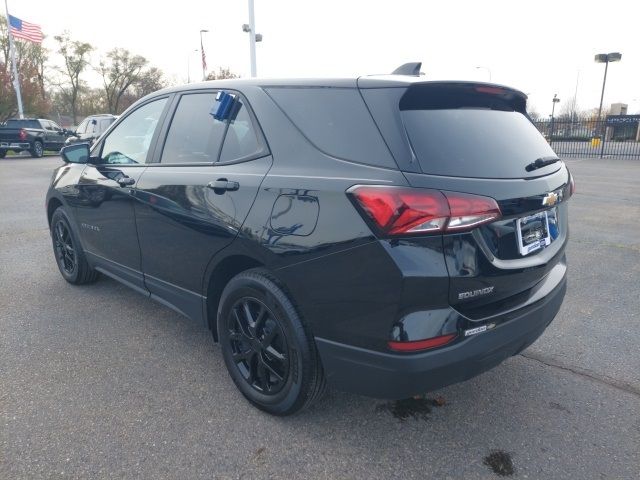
pixel 448 95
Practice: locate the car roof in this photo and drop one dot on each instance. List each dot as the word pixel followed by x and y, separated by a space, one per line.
pixel 369 81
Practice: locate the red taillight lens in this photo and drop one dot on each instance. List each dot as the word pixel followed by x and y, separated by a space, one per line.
pixel 22 135
pixel 468 211
pixel 421 344
pixel 403 210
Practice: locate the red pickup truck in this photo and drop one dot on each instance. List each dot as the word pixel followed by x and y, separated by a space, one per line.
pixel 32 134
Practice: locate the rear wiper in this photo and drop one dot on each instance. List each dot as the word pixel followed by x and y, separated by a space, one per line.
pixel 541 162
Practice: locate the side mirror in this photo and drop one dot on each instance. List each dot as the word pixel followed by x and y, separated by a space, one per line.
pixel 76 153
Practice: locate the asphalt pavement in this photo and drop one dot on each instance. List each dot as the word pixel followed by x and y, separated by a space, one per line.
pixel 100 382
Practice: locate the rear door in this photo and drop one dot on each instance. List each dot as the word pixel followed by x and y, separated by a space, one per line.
pixel 194 198
pixel 106 193
pixel 477 139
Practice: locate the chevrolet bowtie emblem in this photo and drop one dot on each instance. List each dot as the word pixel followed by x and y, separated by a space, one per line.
pixel 550 199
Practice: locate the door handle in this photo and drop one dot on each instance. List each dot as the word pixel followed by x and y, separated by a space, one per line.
pixel 223 185
pixel 125 181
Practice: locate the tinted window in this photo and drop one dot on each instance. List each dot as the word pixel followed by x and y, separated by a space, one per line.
pixel 469 142
pixel 194 135
pixel 82 128
pixel 336 121
pixel 129 142
pixel 23 124
pixel 241 140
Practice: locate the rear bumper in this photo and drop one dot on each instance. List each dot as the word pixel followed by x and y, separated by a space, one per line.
pixel 393 376
pixel 15 145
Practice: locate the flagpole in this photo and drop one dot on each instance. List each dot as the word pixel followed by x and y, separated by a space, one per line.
pixel 12 50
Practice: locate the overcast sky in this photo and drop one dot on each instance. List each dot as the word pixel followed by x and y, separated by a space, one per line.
pixel 539 47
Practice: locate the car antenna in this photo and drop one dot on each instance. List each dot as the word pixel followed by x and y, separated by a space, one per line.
pixel 411 68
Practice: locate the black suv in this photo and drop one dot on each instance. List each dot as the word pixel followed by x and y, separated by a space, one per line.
pixel 386 235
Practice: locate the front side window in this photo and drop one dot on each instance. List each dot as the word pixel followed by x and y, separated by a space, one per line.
pixel 82 128
pixel 194 135
pixel 129 142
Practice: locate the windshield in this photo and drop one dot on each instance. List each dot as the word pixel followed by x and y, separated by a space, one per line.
pixel 475 142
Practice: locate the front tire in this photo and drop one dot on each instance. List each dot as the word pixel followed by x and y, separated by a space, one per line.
pixel 38 149
pixel 267 348
pixel 70 258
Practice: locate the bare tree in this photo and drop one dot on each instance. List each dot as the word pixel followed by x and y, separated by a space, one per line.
pixel 120 70
pixel 221 74
pixel 76 60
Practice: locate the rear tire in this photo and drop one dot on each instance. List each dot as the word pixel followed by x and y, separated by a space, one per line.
pixel 267 348
pixel 70 258
pixel 38 150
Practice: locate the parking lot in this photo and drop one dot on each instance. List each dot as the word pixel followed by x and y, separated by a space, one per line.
pixel 98 381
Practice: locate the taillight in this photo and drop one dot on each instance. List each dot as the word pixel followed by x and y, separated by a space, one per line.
pixel 404 210
pixel 421 344
pixel 22 135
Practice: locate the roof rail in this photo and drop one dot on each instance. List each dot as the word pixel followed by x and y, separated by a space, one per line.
pixel 411 68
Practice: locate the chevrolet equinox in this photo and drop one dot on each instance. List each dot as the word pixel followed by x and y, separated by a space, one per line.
pixel 384 235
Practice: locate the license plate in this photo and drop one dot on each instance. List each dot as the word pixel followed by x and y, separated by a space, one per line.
pixel 532 233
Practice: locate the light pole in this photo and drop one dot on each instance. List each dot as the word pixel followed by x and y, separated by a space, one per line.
pixel 553 111
pixel 189 64
pixel 485 68
pixel 606 58
pixel 204 61
pixel 250 28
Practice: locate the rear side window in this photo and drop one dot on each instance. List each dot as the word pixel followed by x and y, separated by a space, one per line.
pixel 194 135
pixel 241 140
pixel 469 134
pixel 336 121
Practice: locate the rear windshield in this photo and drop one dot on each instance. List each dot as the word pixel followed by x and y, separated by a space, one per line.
pixel 474 143
pixel 452 139
pixel 23 124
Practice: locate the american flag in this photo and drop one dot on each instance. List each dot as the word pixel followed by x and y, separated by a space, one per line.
pixel 25 30
pixel 204 58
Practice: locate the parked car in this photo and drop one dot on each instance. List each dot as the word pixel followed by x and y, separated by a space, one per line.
pixel 91 128
pixel 386 235
pixel 35 135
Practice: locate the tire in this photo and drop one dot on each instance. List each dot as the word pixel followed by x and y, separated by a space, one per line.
pixel 69 256
pixel 267 348
pixel 3 153
pixel 38 149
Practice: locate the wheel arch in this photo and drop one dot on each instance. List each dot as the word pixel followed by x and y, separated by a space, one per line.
pixel 52 205
pixel 220 275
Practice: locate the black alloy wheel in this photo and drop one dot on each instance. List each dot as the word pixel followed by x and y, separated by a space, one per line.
pixel 65 251
pixel 268 348
pixel 70 257
pixel 259 347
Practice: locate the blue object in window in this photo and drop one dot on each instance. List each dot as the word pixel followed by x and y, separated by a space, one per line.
pixel 223 107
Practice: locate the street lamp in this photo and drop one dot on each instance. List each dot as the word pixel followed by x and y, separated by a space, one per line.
pixel 204 62
pixel 553 111
pixel 606 58
pixel 485 68
pixel 250 28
